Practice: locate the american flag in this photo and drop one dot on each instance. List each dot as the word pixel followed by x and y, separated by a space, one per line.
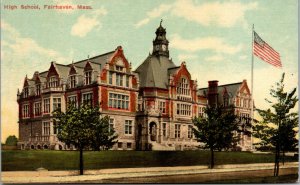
pixel 265 52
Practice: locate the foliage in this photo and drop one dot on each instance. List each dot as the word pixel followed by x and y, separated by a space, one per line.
pixel 84 128
pixel 276 130
pixel 11 140
pixel 216 129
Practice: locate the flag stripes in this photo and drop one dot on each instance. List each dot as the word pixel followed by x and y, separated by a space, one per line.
pixel 265 52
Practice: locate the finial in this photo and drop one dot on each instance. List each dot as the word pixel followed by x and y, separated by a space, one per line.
pixel 161 21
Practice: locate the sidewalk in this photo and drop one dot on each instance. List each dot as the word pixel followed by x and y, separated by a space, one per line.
pixel 96 175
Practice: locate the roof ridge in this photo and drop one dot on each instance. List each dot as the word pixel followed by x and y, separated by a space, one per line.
pixel 94 57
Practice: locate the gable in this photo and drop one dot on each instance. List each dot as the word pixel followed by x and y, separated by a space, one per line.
pixel 72 70
pixel 118 58
pixel 182 72
pixel 52 71
pixel 244 88
pixel 88 67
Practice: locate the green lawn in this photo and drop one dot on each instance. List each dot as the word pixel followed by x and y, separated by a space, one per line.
pixel 16 160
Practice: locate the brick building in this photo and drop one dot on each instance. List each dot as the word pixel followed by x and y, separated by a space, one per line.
pixel 150 108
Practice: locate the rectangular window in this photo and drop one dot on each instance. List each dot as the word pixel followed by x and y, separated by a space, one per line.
pixel 38 89
pixel 129 145
pixel 128 126
pixel 25 111
pixel 73 81
pixel 88 77
pixel 55 127
pixel 190 131
pixel 46 128
pixel 87 99
pixel 164 129
pixel 183 109
pixel 37 108
pixel 56 104
pixel 72 100
pixel 127 81
pixel 162 106
pixel 119 101
pixel 47 105
pixel 119 79
pixel 177 131
pixel 53 82
pixel 110 77
pixel 111 125
pixel 120 145
pixel 26 92
pixel 119 68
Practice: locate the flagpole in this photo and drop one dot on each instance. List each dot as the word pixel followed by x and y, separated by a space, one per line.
pixel 252 97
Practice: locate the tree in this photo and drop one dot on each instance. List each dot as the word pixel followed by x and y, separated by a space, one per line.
pixel 11 140
pixel 276 130
pixel 84 128
pixel 216 129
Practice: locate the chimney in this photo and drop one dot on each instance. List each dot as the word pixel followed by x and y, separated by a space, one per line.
pixel 212 93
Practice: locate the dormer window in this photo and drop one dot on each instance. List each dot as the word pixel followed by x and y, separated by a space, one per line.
pixel 53 82
pixel 38 89
pixel 88 77
pixel 119 68
pixel 73 81
pixel 26 92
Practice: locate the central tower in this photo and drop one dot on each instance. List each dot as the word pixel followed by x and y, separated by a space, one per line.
pixel 160 44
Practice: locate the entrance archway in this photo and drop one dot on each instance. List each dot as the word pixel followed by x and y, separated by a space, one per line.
pixel 153 131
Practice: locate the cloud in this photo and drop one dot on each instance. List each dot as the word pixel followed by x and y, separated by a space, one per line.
pixel 214 58
pixel 185 57
pixel 156 12
pixel 207 43
pixel 225 14
pixel 87 22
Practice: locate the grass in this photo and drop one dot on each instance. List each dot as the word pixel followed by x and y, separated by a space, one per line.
pixel 20 160
pixel 293 178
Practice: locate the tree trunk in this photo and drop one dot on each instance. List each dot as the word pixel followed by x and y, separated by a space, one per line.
pixel 277 155
pixel 212 160
pixel 283 156
pixel 81 161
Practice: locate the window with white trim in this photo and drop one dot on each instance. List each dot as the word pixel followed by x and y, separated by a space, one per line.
pixel 110 77
pixel 201 111
pixel 25 111
pixel 119 101
pixel 37 108
pixel 111 124
pixel 128 127
pixel 183 87
pixel 183 109
pixel 46 128
pixel 164 129
pixel 56 104
pixel 119 68
pixel 190 131
pixel 38 89
pixel 47 105
pixel 177 131
pixel 127 81
pixel 26 92
pixel 87 98
pixel 73 81
pixel 72 100
pixel 119 79
pixel 53 82
pixel 162 106
pixel 88 77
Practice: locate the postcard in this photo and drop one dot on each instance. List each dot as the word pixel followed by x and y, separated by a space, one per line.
pixel 136 91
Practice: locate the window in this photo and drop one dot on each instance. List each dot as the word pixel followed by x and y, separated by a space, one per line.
pixel 87 99
pixel 119 79
pixel 162 106
pixel 120 145
pixel 55 129
pixel 37 108
pixel 56 104
pixel 129 145
pixel 118 101
pixel 127 81
pixel 177 131
pixel 53 82
pixel 38 89
pixel 201 111
pixel 47 105
pixel 46 128
pixel 72 100
pixel 88 77
pixel 128 126
pixel 164 129
pixel 183 109
pixel 110 77
pixel 26 92
pixel 190 131
pixel 73 81
pixel 119 68
pixel 111 124
pixel 25 111
pixel 183 87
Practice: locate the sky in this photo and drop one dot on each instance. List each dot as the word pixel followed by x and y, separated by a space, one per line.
pixel 214 38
